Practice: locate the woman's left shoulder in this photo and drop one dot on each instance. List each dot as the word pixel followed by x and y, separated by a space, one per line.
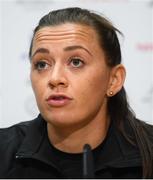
pixel 147 127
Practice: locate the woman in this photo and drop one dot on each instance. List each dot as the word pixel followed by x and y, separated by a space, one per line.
pixel 77 78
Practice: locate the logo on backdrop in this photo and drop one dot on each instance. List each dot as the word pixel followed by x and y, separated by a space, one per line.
pixel 145 46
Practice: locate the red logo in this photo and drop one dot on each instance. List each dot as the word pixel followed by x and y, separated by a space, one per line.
pixel 145 46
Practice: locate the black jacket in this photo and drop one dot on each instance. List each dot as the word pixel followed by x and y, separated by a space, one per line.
pixel 23 154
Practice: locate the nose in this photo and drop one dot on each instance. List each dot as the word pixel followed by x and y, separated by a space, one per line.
pixel 58 77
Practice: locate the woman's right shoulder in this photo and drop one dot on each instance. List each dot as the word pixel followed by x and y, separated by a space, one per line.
pixel 14 134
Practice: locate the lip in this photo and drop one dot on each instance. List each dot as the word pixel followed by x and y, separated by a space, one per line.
pixel 58 100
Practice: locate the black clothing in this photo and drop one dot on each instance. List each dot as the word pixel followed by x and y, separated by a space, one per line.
pixel 25 152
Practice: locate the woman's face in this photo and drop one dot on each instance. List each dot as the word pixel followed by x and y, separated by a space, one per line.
pixel 69 74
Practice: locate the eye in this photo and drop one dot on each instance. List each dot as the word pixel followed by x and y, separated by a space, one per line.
pixel 40 65
pixel 76 62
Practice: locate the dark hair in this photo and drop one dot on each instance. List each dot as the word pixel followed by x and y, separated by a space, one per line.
pixel 118 107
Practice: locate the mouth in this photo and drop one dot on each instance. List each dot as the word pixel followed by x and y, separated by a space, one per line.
pixel 58 100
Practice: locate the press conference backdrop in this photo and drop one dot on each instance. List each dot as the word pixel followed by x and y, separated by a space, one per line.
pixel 17 21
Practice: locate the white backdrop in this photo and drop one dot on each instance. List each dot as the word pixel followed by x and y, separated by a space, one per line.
pixel 19 17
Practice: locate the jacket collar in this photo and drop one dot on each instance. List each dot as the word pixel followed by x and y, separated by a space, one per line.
pixel 115 152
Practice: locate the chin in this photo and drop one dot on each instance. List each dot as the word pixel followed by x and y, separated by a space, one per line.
pixel 60 119
pixel 65 117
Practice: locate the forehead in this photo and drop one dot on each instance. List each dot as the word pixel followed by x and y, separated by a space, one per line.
pixel 67 32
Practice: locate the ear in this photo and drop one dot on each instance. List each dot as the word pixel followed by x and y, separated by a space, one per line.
pixel 116 81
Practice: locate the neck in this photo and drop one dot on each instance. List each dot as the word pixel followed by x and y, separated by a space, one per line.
pixel 72 140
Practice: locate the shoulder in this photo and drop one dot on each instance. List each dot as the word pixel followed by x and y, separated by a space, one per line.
pixel 134 133
pixel 144 137
pixel 135 126
pixel 16 131
pixel 12 137
pixel 147 128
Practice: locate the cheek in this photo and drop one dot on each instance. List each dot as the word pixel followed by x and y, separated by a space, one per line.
pixel 90 95
pixel 93 86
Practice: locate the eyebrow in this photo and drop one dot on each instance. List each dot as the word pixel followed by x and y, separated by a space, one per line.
pixel 40 50
pixel 71 48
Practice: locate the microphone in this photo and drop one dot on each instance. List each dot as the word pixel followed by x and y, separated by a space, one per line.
pixel 88 164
